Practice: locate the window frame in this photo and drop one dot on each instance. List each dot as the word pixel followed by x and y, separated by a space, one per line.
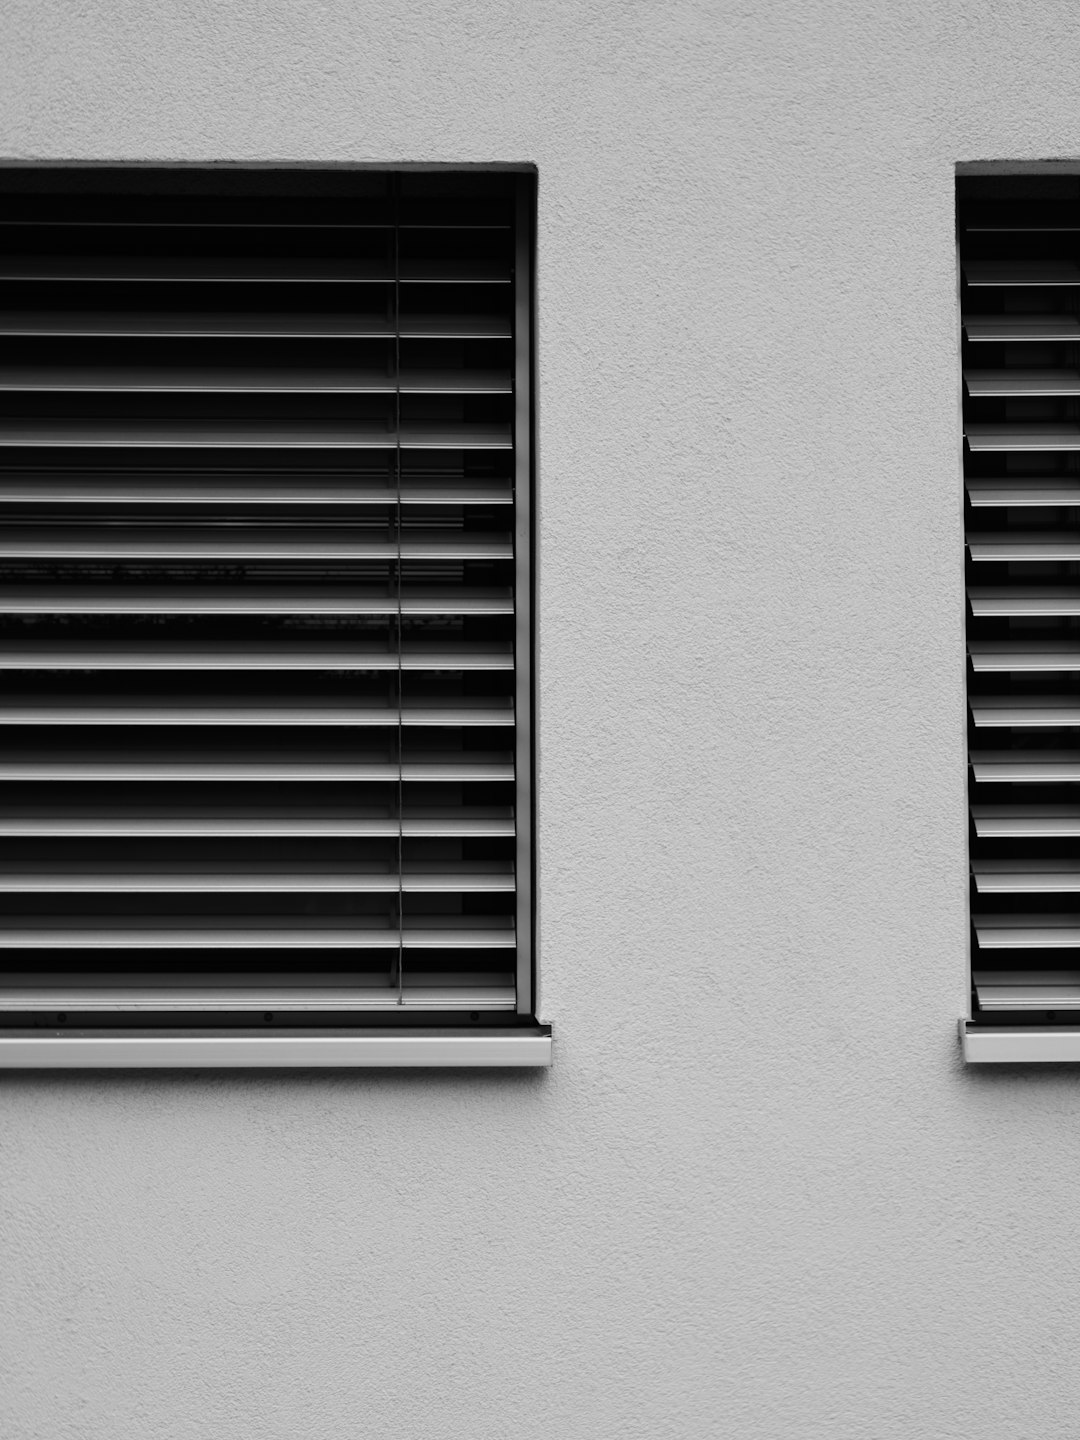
pixel 381 1040
pixel 989 1038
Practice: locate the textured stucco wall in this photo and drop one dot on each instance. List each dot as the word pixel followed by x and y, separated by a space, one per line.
pixel 757 1196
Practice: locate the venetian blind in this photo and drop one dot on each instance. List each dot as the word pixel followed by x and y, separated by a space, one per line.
pixel 1019 243
pixel 265 596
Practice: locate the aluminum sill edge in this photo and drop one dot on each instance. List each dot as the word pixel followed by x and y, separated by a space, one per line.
pixel 71 1049
pixel 1020 1045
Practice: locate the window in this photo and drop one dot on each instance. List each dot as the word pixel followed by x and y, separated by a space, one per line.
pixel 1020 282
pixel 265 617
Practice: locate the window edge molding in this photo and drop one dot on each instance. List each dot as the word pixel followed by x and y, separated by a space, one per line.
pixel 1019 1045
pixel 510 1048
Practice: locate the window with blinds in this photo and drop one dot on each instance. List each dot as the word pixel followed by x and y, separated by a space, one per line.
pixel 1019 241
pixel 266 747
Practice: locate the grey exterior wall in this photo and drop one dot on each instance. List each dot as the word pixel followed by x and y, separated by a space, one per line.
pixel 757 1196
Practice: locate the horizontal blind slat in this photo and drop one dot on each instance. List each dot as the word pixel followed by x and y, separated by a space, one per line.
pixel 1028 990
pixel 1023 273
pixel 250 599
pixel 214 995
pixel 92 934
pixel 244 380
pixel 239 876
pixel 254 655
pixel 1006 329
pixel 1018 490
pixel 163 488
pixel 1018 656
pixel 1044 876
pixel 254 435
pixel 286 542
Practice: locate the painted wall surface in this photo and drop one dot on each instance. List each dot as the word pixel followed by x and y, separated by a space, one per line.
pixel 757 1196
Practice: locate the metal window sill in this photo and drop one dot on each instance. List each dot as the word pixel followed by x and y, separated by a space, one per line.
pixel 38 1049
pixel 1020 1045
